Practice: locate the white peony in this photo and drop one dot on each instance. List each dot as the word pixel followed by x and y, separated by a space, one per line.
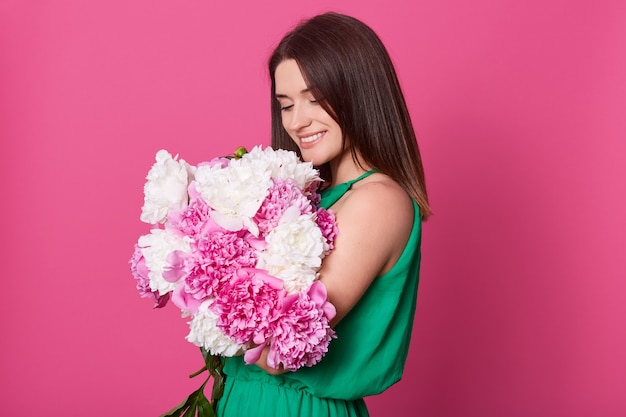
pixel 294 250
pixel 285 165
pixel 166 187
pixel 205 333
pixel 155 247
pixel 234 192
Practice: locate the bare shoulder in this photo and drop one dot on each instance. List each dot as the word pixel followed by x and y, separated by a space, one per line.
pixel 377 210
pixel 382 197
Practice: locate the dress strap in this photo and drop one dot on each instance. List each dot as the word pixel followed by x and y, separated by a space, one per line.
pixel 331 195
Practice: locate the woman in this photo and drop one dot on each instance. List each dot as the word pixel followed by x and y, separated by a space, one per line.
pixel 337 102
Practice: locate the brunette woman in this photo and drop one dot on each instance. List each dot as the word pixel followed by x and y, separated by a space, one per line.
pixel 337 102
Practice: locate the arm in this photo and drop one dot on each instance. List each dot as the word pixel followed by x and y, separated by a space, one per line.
pixel 374 220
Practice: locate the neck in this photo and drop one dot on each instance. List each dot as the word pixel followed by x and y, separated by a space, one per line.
pixel 344 168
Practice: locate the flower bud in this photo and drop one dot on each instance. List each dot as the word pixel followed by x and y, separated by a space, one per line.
pixel 240 151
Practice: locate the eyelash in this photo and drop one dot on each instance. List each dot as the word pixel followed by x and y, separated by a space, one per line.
pixel 289 107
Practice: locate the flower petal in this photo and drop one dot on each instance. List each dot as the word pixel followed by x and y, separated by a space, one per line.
pixel 176 269
pixel 253 355
pixel 185 301
pixel 317 293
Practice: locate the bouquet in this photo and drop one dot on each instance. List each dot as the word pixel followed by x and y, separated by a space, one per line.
pixel 236 244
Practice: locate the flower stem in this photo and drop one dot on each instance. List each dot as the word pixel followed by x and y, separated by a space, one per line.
pixel 198 372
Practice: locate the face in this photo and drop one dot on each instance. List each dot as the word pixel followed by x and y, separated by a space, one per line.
pixel 316 133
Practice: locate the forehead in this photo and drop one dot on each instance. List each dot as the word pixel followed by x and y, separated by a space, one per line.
pixel 288 78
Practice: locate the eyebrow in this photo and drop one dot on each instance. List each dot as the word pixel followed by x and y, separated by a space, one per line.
pixel 306 90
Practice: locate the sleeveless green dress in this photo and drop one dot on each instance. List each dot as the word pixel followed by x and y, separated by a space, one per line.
pixel 367 357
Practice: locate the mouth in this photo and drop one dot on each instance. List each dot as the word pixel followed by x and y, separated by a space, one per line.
pixel 311 138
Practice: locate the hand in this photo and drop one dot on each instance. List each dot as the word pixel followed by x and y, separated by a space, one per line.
pixel 262 363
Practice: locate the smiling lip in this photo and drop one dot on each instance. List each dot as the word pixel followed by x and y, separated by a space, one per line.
pixel 309 140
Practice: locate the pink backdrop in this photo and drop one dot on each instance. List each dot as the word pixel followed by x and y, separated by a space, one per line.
pixel 519 107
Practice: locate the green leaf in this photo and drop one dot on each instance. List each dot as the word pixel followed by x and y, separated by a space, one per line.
pixel 191 405
pixel 197 404
pixel 218 386
pixel 205 408
pixel 177 412
pixel 191 412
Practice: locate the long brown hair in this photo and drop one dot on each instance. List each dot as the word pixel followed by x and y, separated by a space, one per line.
pixel 351 75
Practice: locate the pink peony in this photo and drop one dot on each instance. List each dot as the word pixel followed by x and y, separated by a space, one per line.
pixel 327 224
pixel 282 195
pixel 217 256
pixel 249 305
pixel 302 333
pixel 205 281
pixel 193 218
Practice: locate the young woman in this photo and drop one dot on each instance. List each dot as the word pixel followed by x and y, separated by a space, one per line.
pixel 337 102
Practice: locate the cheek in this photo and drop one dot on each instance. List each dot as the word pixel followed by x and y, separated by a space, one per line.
pixel 285 121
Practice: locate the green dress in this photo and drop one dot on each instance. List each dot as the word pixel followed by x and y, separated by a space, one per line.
pixel 367 357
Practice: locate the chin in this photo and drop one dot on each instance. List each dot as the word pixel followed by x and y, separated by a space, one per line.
pixel 312 158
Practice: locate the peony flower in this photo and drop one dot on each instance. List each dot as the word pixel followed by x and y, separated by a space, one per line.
pixel 191 220
pixel 205 333
pixel 166 187
pixel 155 248
pixel 235 192
pixel 328 226
pixel 285 165
pixel 282 195
pixel 302 333
pixel 294 250
pixel 140 272
pixel 217 255
pixel 249 305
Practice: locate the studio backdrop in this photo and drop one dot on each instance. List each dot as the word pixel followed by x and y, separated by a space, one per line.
pixel 519 111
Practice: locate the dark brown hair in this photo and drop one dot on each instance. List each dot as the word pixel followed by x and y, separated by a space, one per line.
pixel 352 77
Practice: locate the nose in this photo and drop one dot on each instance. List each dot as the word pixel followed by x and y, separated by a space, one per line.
pixel 299 117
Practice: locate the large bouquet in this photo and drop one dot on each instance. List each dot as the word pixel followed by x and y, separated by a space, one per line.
pixel 236 244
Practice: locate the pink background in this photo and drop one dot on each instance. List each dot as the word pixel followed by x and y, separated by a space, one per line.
pixel 519 107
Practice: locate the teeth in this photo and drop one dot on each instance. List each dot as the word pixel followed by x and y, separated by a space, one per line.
pixel 311 138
